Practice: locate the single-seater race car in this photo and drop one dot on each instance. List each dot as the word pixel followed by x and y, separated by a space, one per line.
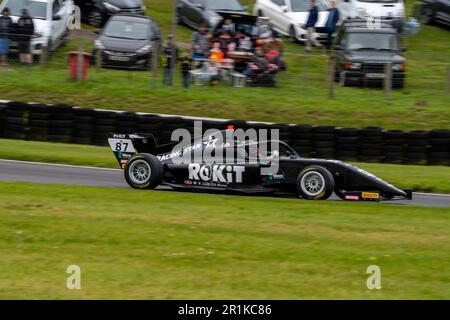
pixel 204 165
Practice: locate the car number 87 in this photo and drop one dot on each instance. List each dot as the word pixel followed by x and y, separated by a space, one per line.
pixel 121 145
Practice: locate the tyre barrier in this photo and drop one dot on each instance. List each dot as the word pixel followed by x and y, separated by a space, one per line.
pixel 67 124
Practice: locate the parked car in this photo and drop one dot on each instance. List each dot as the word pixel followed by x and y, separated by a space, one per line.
pixel 289 16
pixel 128 41
pixel 51 20
pixel 436 11
pixel 387 11
pixel 362 55
pixel 194 13
pixel 97 12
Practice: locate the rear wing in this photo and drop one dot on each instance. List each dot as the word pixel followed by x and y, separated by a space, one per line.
pixel 124 146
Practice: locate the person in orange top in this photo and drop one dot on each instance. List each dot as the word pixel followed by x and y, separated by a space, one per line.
pixel 216 54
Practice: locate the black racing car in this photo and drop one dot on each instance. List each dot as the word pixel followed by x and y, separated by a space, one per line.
pixel 255 169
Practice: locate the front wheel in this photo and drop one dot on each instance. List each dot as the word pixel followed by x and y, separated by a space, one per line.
pixel 143 171
pixel 315 183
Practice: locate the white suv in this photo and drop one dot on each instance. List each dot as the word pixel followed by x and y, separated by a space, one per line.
pixel 387 11
pixel 51 21
pixel 289 16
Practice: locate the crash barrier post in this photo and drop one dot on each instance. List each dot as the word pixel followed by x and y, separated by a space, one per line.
pixel 154 58
pixel 43 57
pixel 305 71
pixel 62 123
pixel 98 59
pixel 447 82
pixel 80 64
pixel 330 76
pixel 388 82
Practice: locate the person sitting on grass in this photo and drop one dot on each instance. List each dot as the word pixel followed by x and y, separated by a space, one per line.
pixel 258 65
pixel 216 54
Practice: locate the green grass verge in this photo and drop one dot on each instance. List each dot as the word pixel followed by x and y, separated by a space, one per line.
pixel 299 98
pixel 160 245
pixel 418 178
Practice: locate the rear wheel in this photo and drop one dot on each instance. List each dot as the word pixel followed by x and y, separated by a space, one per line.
pixel 315 183
pixel 143 171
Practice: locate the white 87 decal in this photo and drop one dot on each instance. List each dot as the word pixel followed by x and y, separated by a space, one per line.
pixel 121 145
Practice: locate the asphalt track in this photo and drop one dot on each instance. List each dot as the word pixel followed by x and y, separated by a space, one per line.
pixel 21 171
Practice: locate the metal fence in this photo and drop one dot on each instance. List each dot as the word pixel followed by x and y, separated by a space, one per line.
pixel 308 74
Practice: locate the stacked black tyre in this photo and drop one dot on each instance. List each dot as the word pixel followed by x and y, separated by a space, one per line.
pixel 347 144
pixel 167 126
pixel 83 125
pixel 211 125
pixel 3 107
pixel 149 123
pixel 324 142
pixel 439 147
pixel 370 144
pixel 105 124
pixel 61 123
pixel 127 122
pixel 416 147
pixel 16 121
pixel 39 122
pixel 393 146
pixel 302 140
pixel 284 132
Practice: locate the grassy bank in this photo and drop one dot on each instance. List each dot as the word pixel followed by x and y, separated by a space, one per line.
pixel 159 245
pixel 418 178
pixel 301 95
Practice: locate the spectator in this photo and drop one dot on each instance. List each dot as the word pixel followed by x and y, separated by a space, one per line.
pixel 333 19
pixel 186 66
pixel 214 74
pixel 171 56
pixel 200 40
pixel 225 39
pixel 229 26
pixel 258 65
pixel 245 43
pixel 5 31
pixel 310 26
pixel 216 53
pixel 25 29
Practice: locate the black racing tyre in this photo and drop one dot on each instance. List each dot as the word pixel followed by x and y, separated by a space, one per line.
pixel 417 134
pixel 440 134
pixel 347 140
pixel 324 144
pixel 347 132
pixel 315 183
pixel 143 171
pixel 394 142
pixel 370 131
